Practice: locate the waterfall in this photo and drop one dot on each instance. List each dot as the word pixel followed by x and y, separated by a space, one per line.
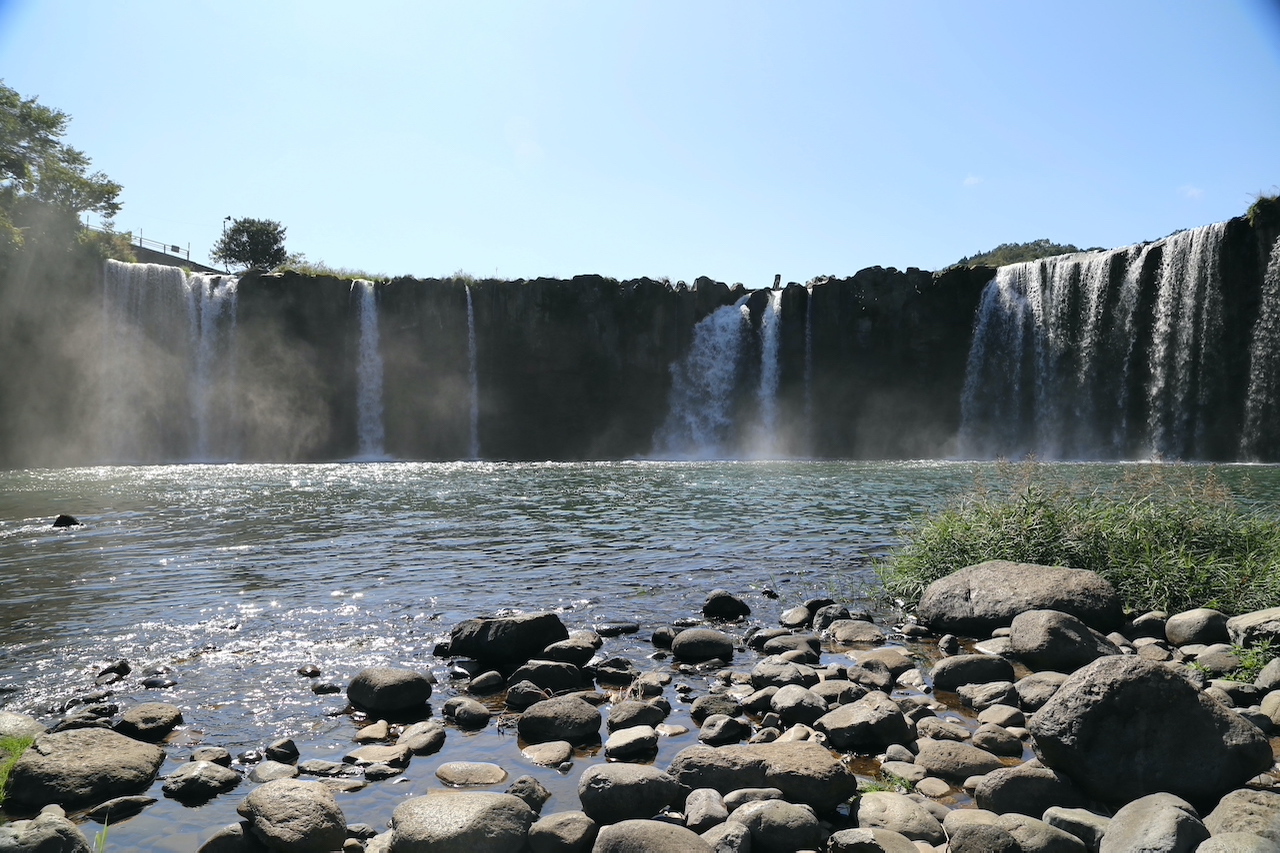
pixel 1262 405
pixel 808 370
pixel 167 366
pixel 473 375
pixel 766 442
pixel 369 375
pixel 1057 369
pixel 700 409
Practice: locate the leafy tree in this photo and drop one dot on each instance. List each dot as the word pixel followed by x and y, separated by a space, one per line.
pixel 45 184
pixel 249 243
pixel 1014 253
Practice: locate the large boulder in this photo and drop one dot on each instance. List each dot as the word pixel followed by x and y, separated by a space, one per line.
pixel 389 690
pixel 867 725
pixel 978 599
pixel 47 832
pixel 292 816
pixel 568 718
pixel 780 827
pixel 614 792
pixel 442 822
pixel 506 639
pixel 1056 641
pixel 700 644
pixel 805 772
pixel 1249 629
pixel 82 767
pixel 1123 727
pixel 1160 822
pixel 648 836
pixel 1247 810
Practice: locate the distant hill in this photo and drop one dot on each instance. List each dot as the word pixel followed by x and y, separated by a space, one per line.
pixel 1016 253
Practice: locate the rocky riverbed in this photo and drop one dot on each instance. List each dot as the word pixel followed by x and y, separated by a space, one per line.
pixel 1017 710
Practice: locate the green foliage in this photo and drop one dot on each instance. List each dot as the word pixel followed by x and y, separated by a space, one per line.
pixel 1265 211
pixel 1014 253
pixel 12 749
pixel 1253 659
pixel 1168 538
pixel 886 782
pixel 100 838
pixel 251 243
pixel 299 263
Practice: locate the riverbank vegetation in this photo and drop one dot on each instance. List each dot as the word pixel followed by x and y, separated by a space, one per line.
pixel 11 749
pixel 1167 537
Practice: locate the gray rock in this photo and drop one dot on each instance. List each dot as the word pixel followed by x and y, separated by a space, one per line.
pixel 721 604
pixel 389 690
pixel 395 755
pixel 1238 842
pixel 855 632
pixel 293 816
pixel 780 827
pixel 469 774
pixel 648 836
pixel 797 704
pixel 568 718
pixel 703 809
pixel 631 743
pixel 901 814
pixel 806 772
pixel 575 650
pixel 997 740
pixel 948 759
pixel 870 840
pixel 1247 810
pixel 552 676
pixel 699 644
pixel 1202 625
pixel 1028 789
pixel 266 771
pixel 19 725
pixel 714 703
pixel 978 599
pixel 236 838
pixel 721 729
pixel 82 767
pixel 982 696
pixel 466 712
pixel 796 617
pixel 834 691
pixel 199 780
pixel 613 792
pixel 506 639
pixel 893 660
pixel 1269 678
pixel 550 754
pixel 1161 823
pixel 1085 825
pixel 1175 739
pixel 632 712
pixel 488 683
pixel 1002 715
pixel 868 725
pixel 1036 689
pixel 957 670
pixel 117 809
pixel 423 738
pixel 48 832
pixel 940 729
pixel 773 672
pixel 807 643
pixel 730 837
pixel 1037 836
pixel 1249 629
pixel 563 832
pixel 824 616
pixel 150 721
pixel 982 838
pixel 477 822
pixel 739 797
pixel 523 694
pixel 1053 640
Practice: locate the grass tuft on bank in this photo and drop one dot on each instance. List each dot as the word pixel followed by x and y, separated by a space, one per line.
pixel 1167 537
pixel 11 749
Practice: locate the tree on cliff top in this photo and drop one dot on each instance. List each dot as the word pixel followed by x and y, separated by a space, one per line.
pixel 45 184
pixel 1016 253
pixel 251 243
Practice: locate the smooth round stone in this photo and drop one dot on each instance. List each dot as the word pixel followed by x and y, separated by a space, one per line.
pixel 550 754
pixel 269 770
pixel 467 774
pixel 932 786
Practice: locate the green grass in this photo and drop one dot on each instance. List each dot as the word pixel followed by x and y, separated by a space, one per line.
pixel 886 782
pixel 1167 537
pixel 12 749
pixel 1253 659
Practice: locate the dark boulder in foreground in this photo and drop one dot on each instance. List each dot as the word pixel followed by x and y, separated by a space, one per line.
pixel 506 639
pixel 978 599
pixel 82 767
pixel 389 690
pixel 1123 727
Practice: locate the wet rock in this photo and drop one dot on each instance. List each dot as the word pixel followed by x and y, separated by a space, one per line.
pixel 901 814
pixel 663 637
pixel 1175 739
pixel 700 644
pixel 721 729
pixel 284 750
pixel 422 738
pixel 292 816
pixel 631 744
pixel 150 721
pixel 868 725
pixel 550 675
pixel 1156 822
pixel 48 832
pixel 617 628
pixel 550 754
pixel 506 639
pixel 389 690
pixel 954 761
pixel 489 682
pixel 117 809
pixel 197 781
pixel 1053 640
pixel 466 774
pixel 325 688
pixel 1249 629
pixel 560 718
pixel 780 827
pixel 958 670
pixel 806 772
pixel 575 650
pixel 82 767
pixel 714 703
pixel 216 754
pixel 721 604
pixel 477 822
pixel 613 792
pixel 308 670
pixel 236 838
pixel 855 632
pixel 320 767
pixel 524 694
pixel 616 672
pixel 466 713
pixel 396 755
pixel 648 836
pixel 632 712
pixel 269 770
pixel 64 520
pixel 1247 810
pixel 795 618
pixel 563 832
pixel 978 599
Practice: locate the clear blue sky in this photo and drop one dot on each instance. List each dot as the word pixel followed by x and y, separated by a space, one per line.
pixel 729 139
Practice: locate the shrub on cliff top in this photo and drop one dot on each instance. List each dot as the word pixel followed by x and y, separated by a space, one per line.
pixel 1167 538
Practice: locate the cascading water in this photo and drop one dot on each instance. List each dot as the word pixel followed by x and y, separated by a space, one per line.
pixel 700 416
pixel 167 364
pixel 370 432
pixel 808 370
pixel 1262 405
pixel 1057 369
pixel 765 442
pixel 473 375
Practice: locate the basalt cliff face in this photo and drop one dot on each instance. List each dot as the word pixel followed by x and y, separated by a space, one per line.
pixel 1168 349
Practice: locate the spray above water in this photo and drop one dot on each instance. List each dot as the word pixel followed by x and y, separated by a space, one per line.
pixel 370 431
